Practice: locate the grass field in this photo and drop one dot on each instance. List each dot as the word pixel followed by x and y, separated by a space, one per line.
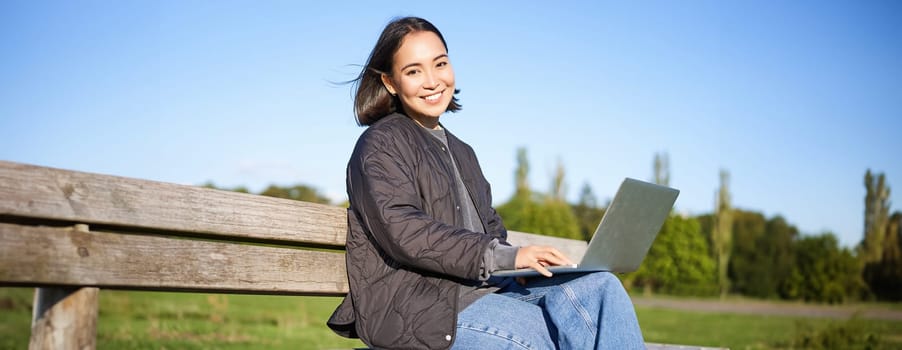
pixel 740 331
pixel 149 320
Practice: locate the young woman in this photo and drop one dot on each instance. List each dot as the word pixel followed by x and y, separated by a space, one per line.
pixel 423 238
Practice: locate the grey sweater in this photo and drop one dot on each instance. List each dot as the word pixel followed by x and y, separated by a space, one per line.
pixel 496 257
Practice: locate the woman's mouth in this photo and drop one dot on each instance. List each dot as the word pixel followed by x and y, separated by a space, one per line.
pixel 434 97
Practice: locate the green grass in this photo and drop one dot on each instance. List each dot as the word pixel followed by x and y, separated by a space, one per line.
pixel 207 321
pixel 742 331
pixel 15 317
pixel 151 320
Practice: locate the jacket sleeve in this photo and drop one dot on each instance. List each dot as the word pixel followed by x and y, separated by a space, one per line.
pixel 384 191
pixel 496 226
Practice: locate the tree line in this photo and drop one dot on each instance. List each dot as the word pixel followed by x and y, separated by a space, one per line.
pixel 727 251
pixel 732 250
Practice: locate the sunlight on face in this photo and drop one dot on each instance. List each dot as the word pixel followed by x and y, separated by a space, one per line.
pixel 422 77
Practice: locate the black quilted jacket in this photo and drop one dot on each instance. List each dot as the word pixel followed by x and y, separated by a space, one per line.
pixel 406 250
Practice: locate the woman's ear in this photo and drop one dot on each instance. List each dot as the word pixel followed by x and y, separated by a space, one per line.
pixel 386 80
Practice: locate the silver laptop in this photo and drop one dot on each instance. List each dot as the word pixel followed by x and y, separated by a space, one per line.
pixel 626 231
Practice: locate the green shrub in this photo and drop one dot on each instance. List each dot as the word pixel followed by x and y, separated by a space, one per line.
pixel 852 334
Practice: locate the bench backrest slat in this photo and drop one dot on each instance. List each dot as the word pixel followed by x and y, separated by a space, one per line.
pixel 38 255
pixel 29 191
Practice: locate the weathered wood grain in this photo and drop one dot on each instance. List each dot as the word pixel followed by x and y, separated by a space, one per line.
pixel 47 193
pixel 65 318
pixel 60 256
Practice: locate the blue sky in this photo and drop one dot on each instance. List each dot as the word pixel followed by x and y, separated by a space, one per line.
pixel 795 99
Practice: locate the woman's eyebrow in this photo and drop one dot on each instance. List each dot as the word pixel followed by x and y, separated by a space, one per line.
pixel 410 65
pixel 444 55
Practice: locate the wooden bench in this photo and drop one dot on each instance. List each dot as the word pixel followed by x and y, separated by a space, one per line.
pixel 72 233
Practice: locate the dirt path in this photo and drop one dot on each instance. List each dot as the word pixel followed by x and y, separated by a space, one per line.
pixel 868 311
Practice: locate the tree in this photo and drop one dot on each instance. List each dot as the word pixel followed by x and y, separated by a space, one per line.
pixel 210 184
pixel 885 277
pixel 762 256
pixel 298 192
pixel 777 243
pixel 519 211
pixel 824 272
pixel 876 215
pixel 880 251
pixel 556 217
pixel 706 221
pixel 723 234
pixel 587 212
pixel 748 266
pixel 521 175
pixel 532 212
pixel 677 262
pixel 558 186
pixel 662 169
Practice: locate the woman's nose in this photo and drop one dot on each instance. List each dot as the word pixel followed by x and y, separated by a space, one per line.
pixel 431 82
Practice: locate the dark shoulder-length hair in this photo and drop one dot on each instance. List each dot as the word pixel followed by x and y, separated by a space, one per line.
pixel 372 100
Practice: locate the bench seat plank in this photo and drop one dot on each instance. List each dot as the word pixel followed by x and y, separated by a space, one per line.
pixel 44 256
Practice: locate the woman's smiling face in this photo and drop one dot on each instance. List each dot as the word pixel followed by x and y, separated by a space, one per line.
pixel 422 77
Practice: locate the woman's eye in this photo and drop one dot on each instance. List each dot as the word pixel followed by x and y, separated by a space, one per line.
pixel 441 64
pixel 412 72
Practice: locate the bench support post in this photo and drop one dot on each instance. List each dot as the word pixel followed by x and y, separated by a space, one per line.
pixel 64 317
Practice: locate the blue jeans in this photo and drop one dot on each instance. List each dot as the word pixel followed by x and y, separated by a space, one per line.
pixel 567 311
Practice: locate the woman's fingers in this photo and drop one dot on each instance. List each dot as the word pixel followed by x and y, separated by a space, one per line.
pixel 538 257
pixel 541 269
pixel 555 257
pixel 551 256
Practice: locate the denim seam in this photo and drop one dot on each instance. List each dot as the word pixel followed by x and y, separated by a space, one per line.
pixel 531 297
pixel 484 329
pixel 571 296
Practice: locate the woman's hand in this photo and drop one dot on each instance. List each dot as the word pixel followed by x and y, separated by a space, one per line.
pixel 538 256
